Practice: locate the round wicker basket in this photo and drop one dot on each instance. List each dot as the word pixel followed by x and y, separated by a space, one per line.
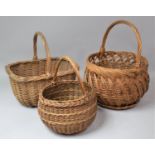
pixel 119 78
pixel 68 107
pixel 28 77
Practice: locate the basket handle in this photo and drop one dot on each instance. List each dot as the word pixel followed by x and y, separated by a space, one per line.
pixel 134 29
pixel 48 56
pixel 74 68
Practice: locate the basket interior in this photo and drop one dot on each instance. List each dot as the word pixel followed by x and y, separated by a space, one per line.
pixel 64 91
pixel 36 68
pixel 118 60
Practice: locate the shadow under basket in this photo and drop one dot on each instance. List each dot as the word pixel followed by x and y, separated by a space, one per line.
pixel 119 78
pixel 28 77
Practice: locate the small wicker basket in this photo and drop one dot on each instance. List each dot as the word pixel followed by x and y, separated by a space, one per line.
pixel 68 107
pixel 28 77
pixel 119 78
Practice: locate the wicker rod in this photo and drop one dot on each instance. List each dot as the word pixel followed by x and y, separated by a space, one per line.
pixel 48 56
pixel 75 70
pixel 134 29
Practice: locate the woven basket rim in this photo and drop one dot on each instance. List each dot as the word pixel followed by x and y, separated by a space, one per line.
pixel 20 78
pixel 134 68
pixel 66 103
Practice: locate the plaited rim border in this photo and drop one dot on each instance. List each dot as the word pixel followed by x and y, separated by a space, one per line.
pixel 115 70
pixel 19 78
pixel 57 103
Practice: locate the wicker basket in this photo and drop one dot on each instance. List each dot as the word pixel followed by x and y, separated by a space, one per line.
pixel 119 78
pixel 28 77
pixel 68 107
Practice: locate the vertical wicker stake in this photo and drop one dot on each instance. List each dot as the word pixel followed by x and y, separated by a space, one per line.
pixel 28 77
pixel 68 107
pixel 119 78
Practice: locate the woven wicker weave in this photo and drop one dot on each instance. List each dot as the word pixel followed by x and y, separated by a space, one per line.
pixel 68 107
pixel 120 78
pixel 28 77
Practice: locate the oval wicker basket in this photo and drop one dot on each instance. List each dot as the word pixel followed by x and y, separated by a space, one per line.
pixel 119 78
pixel 68 107
pixel 28 77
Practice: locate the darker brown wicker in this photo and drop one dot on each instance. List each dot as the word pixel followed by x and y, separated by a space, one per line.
pixel 68 107
pixel 119 78
pixel 28 77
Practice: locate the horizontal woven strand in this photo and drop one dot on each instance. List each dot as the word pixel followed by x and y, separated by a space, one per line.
pixel 71 122
pixel 63 113
pixel 70 129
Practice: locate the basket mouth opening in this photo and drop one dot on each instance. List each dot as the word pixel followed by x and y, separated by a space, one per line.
pixel 115 60
pixel 37 68
pixel 62 92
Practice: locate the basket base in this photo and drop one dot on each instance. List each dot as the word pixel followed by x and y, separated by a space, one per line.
pixel 60 131
pixel 28 105
pixel 101 104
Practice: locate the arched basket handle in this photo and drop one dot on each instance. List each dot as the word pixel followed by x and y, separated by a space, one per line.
pixel 134 29
pixel 48 56
pixel 75 70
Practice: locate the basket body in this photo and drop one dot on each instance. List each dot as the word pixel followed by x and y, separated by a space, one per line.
pixel 27 78
pixel 63 108
pixel 118 83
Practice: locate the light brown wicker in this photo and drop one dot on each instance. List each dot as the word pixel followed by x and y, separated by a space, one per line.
pixel 68 107
pixel 28 77
pixel 119 78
